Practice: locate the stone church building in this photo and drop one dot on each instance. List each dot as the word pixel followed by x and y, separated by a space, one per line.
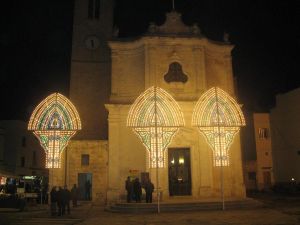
pixel 107 75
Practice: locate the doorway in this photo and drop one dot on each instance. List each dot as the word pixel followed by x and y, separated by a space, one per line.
pixel 85 186
pixel 179 171
pixel 267 179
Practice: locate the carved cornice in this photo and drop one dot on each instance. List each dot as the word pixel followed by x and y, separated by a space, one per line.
pixel 174 26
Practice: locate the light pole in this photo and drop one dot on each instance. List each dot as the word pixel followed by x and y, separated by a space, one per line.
pixel 216 110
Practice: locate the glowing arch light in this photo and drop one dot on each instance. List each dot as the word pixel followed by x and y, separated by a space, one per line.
pixel 155 117
pixel 54 121
pixel 219 118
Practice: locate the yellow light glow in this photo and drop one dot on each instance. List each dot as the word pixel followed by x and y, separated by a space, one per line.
pixel 218 117
pixel 173 161
pixel 54 121
pixel 155 117
pixel 181 160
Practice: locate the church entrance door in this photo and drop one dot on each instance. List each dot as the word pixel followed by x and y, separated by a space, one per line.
pixel 85 186
pixel 179 171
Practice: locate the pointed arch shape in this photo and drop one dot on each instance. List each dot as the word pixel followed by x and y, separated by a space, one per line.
pixel 142 111
pixel 55 107
pixel 155 117
pixel 54 121
pixel 218 117
pixel 205 111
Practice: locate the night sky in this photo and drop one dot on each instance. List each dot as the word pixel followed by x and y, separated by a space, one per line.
pixel 35 45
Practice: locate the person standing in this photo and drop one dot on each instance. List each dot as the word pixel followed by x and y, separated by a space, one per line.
pixel 74 195
pixel 60 201
pixel 53 198
pixel 149 187
pixel 137 189
pixel 129 189
pixel 66 200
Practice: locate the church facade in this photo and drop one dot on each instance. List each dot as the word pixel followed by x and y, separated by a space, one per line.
pixel 108 74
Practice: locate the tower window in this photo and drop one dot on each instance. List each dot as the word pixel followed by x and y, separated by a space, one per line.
pixel 91 9
pixel 94 9
pixel 85 159
pixel 97 9
pixel 263 133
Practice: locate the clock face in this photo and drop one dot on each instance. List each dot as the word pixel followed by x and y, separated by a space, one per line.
pixel 92 42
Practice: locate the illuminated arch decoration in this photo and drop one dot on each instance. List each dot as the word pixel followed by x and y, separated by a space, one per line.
pixel 155 117
pixel 54 121
pixel 219 118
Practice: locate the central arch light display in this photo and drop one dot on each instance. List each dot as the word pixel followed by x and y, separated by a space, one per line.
pixel 155 117
pixel 218 116
pixel 54 121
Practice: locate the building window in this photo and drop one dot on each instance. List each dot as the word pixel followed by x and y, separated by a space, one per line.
pixel 251 175
pixel 22 161
pixel 85 159
pixel 23 141
pixel 263 133
pixel 266 153
pixel 97 9
pixel 94 9
pixel 34 158
pixel 91 9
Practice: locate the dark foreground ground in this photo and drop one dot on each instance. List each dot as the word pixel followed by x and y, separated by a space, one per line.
pixel 278 210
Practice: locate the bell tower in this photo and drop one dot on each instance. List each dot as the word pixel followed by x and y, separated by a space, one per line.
pixel 91 65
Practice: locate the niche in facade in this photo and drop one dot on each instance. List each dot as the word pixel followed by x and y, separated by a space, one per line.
pixel 175 74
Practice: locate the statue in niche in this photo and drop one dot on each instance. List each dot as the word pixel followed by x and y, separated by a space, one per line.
pixel 175 74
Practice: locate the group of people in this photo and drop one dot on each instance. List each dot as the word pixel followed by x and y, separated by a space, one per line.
pixel 134 190
pixel 60 200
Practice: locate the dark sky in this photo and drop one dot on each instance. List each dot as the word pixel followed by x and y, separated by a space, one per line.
pixel 35 45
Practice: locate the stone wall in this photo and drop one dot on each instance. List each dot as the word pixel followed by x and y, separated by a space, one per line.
pixel 98 161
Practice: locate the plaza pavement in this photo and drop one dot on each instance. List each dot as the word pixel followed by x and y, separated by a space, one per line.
pixel 88 214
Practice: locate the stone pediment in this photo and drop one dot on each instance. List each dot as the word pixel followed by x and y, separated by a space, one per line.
pixel 174 26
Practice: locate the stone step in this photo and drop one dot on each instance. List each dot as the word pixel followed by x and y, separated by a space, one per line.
pixel 182 206
pixel 46 221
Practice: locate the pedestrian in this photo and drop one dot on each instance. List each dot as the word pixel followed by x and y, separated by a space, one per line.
pixel 66 200
pixel 74 195
pixel 53 196
pixel 60 201
pixel 129 189
pixel 137 189
pixel 149 187
pixel 88 190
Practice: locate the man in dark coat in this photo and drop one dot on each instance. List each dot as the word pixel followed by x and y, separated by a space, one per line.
pixel 129 189
pixel 74 195
pixel 53 198
pixel 137 189
pixel 149 187
pixel 60 203
pixel 66 200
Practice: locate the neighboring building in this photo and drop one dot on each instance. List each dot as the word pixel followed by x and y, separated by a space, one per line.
pixel 285 132
pixel 263 143
pixel 21 153
pixel 112 73
pixel 258 171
